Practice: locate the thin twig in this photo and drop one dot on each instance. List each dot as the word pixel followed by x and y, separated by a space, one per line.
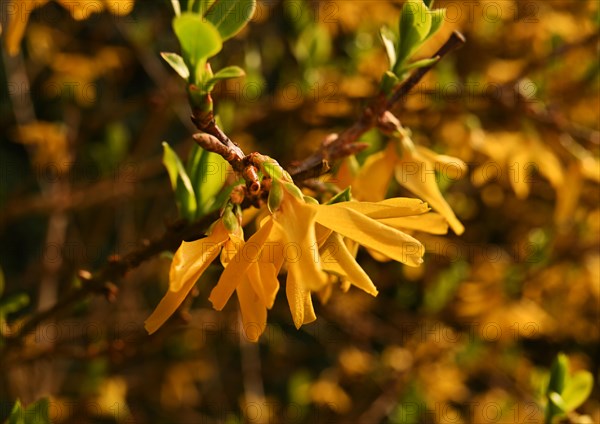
pixel 346 143
pixel 456 40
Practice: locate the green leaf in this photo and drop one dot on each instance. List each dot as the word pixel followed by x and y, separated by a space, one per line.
pixel 13 304
pixel 577 390
pixel 16 414
pixel 273 170
pixel 36 413
pixel 343 196
pixel 428 3
pixel 225 73
pixel 275 195
pixel 176 7
pixel 389 42
pixel 199 6
pixel 293 190
pixel 438 17
pixel 421 63
pixel 229 16
pixel 558 371
pixel 558 402
pixel 415 24
pixel 180 182
pixel 388 82
pixel 177 63
pixel 199 39
pixel 209 176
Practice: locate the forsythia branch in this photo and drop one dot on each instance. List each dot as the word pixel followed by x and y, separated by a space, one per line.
pixel 336 147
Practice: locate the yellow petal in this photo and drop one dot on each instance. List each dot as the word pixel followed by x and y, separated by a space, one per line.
pixel 322 234
pixel 418 175
pixel 265 284
pixel 519 169
pixel 549 165
pixel 370 233
pixel 431 223
pixel 273 251
pixel 254 312
pixel 18 22
pixel 336 258
pixel 299 300
pixel 309 310
pixel 119 7
pixel 486 172
pixel 296 220
pixel 567 197
pixel 346 172
pixel 378 256
pixel 449 165
pixel 189 262
pixel 231 276
pixel 590 168
pixel 191 259
pixel 230 248
pixel 82 9
pixel 295 292
pixel 389 208
pixel 374 177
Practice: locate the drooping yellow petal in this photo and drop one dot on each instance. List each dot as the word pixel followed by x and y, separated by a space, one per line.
pixel 299 300
pixel 371 183
pixel 274 249
pixel 189 262
pixel 295 293
pixel 378 256
pixel 370 233
pixel 238 266
pixel 263 279
pixel 519 169
pixel 567 197
pixel 487 171
pixel 346 172
pixel 418 175
pixel 230 248
pixel 309 310
pixel 448 165
pixel 337 259
pixel 322 234
pixel 191 259
pixel 590 168
pixel 296 220
pixel 254 312
pixel 548 165
pixel 431 223
pixel 389 208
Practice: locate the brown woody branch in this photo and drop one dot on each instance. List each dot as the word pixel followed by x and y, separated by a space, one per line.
pixel 345 144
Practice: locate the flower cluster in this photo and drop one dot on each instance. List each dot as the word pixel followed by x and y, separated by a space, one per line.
pixel 318 235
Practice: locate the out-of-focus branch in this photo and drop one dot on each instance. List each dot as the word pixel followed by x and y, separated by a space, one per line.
pixel 103 282
pixel 345 144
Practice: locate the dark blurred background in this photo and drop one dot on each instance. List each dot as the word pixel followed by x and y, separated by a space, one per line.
pixel 466 338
